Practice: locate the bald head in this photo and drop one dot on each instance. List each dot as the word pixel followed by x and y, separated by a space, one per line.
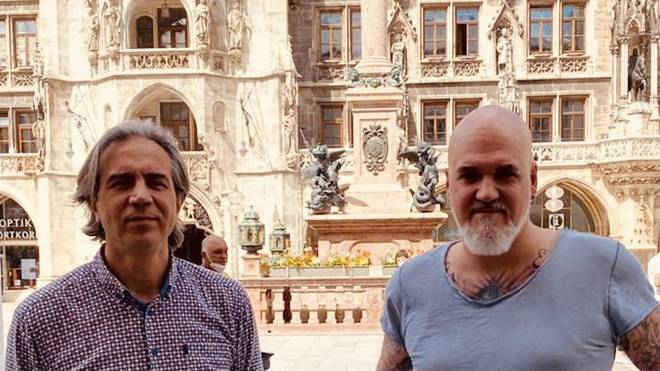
pixel 214 250
pixel 498 125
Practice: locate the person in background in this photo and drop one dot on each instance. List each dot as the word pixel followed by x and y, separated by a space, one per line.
pixel 214 254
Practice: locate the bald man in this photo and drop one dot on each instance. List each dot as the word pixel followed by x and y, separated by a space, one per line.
pixel 214 254
pixel 510 295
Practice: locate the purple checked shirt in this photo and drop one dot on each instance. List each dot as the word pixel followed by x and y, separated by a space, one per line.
pixel 87 320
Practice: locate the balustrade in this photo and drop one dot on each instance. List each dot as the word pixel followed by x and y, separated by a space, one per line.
pixel 308 302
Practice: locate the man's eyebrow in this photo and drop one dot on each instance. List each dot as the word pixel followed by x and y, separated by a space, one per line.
pixel 466 169
pixel 510 168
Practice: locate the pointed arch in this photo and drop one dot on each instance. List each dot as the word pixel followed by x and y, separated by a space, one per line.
pixel 505 16
pixel 594 205
pixel 148 94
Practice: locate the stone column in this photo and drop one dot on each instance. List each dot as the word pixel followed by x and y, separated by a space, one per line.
pixel 375 56
pixel 623 75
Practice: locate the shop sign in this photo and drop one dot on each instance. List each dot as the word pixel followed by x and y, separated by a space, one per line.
pixel 556 221
pixel 16 229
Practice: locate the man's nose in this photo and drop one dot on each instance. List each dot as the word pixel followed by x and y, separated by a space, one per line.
pixel 140 194
pixel 487 191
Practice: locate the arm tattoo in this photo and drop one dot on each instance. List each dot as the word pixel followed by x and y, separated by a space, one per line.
pixel 642 343
pixel 393 356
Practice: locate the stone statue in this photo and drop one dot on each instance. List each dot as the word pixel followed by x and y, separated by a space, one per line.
pixel 202 19
pixel 324 171
pixel 398 50
pixel 237 24
pixel 504 52
pixel 289 129
pixel 93 34
pixel 425 197
pixel 112 17
pixel 636 76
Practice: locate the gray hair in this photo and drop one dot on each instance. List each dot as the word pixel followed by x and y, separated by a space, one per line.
pixel 87 183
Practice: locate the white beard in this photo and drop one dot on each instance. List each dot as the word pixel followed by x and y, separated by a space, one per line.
pixel 218 267
pixel 488 240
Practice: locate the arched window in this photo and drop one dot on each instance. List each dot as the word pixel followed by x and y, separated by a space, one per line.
pixel 573 214
pixel 173 28
pixel 145 32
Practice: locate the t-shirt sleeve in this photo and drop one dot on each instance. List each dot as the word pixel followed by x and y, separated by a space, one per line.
pixel 631 297
pixel 392 315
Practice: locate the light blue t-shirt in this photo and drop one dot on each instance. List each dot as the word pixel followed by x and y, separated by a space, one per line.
pixel 569 316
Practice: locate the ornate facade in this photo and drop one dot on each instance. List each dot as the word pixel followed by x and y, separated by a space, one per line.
pixel 248 86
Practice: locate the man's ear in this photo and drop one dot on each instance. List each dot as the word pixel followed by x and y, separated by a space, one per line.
pixel 179 202
pixel 447 181
pixel 533 175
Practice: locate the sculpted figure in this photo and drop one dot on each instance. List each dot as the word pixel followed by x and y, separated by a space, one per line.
pixel 504 52
pixel 636 76
pixel 112 16
pixel 425 197
pixel 237 23
pixel 202 19
pixel 398 49
pixel 324 171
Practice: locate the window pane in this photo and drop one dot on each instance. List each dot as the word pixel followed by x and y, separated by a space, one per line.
pixel 464 15
pixel 180 39
pixel 3 45
pixel 166 39
pixel 145 32
pixel 331 18
pixel 356 35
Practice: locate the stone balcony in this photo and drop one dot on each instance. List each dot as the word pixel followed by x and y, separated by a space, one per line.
pixel 159 60
pixel 18 164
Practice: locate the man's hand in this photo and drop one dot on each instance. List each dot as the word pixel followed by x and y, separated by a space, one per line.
pixel 642 343
pixel 393 356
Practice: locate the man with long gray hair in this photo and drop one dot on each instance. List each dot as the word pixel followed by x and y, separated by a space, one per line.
pixel 135 306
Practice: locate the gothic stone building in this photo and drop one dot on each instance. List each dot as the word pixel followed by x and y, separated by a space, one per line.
pixel 246 85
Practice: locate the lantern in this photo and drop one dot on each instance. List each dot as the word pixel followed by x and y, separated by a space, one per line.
pixel 280 239
pixel 251 232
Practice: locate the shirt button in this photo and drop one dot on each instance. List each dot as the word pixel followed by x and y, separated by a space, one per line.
pixel 154 352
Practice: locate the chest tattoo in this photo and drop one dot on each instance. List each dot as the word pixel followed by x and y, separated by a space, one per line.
pixel 492 286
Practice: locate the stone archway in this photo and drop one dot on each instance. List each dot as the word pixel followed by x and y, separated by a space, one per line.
pixel 581 210
pixel 197 224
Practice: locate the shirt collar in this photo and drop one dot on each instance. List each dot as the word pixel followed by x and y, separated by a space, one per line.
pixel 109 281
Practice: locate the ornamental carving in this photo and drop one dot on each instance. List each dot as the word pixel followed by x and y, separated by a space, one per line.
pixel 540 65
pixel 331 72
pixel 574 64
pixel 18 164
pixel 4 78
pixel 22 78
pixel 158 61
pixel 199 169
pixel 218 64
pixel 193 213
pixel 467 68
pixel 374 146
pixel 629 174
pixel 434 69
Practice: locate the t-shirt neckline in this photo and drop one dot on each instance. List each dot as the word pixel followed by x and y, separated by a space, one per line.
pixel 558 243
